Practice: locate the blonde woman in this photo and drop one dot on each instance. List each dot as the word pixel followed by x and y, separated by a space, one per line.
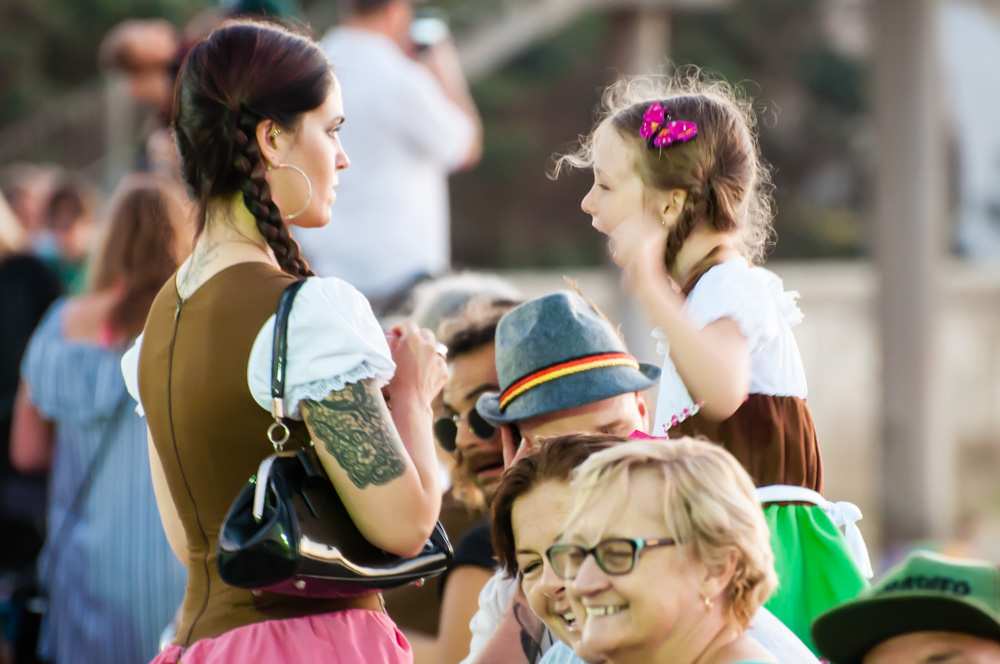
pixel 666 556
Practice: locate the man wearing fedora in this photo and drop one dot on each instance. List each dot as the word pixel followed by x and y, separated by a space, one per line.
pixel 563 369
pixel 928 609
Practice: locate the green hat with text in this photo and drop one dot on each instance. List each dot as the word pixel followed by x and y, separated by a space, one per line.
pixel 926 592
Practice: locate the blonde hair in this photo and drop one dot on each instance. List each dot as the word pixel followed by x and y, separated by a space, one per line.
pixel 728 184
pixel 12 235
pixel 708 503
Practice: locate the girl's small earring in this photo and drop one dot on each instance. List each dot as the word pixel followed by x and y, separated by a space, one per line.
pixel 708 602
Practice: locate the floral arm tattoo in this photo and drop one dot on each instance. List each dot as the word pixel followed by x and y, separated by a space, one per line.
pixel 353 425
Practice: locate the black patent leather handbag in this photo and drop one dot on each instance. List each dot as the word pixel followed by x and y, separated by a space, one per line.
pixel 288 531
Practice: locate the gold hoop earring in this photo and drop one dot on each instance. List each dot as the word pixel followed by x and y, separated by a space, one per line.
pixel 309 188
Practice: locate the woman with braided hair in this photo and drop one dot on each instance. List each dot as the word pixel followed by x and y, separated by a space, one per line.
pixel 683 195
pixel 257 111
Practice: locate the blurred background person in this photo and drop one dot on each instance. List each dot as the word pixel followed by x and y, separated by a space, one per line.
pixel 666 555
pixel 433 301
pixel 928 609
pixel 67 231
pixel 111 579
pixel 147 53
pixel 13 235
pixel 144 52
pixel 412 122
pixel 26 188
pixel 28 288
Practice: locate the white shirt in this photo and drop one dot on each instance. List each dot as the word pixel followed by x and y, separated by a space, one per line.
pixel 496 596
pixel 333 340
pixel 756 299
pixel 403 136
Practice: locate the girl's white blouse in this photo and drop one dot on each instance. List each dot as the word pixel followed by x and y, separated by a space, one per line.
pixel 756 300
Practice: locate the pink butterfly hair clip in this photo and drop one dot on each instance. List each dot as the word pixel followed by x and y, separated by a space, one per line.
pixel 660 130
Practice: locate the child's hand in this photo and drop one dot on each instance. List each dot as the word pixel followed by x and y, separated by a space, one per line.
pixel 638 249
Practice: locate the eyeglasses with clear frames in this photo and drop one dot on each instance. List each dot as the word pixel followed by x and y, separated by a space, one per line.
pixel 616 556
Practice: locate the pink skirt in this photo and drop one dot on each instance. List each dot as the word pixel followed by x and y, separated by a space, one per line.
pixel 353 636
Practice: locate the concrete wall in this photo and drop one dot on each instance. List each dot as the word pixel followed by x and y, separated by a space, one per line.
pixel 838 341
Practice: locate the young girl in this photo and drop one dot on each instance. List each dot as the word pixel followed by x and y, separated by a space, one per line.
pixel 683 196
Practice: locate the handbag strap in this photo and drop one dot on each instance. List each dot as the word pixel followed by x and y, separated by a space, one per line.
pixel 54 542
pixel 278 433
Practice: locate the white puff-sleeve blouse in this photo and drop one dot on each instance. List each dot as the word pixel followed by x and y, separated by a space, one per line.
pixel 333 340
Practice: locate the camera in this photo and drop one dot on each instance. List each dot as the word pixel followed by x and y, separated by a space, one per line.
pixel 429 27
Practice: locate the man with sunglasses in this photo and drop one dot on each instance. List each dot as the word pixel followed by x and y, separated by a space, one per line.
pixel 563 369
pixel 474 445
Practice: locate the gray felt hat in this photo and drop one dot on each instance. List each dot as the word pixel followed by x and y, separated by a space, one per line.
pixel 555 352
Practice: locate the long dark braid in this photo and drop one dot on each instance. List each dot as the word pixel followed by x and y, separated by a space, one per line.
pixel 698 206
pixel 248 162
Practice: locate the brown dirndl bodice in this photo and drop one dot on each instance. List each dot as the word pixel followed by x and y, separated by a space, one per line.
pixel 773 437
pixel 209 433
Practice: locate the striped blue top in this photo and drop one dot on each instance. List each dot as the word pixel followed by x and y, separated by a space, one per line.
pixel 560 653
pixel 112 580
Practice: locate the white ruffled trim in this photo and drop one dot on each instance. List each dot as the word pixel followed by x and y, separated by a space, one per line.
pixel 674 404
pixel 786 301
pixel 319 389
pixel 130 373
pixel 844 515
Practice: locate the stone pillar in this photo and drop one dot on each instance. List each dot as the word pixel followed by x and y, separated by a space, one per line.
pixel 917 461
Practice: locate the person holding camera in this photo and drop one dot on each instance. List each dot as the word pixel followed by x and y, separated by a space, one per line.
pixel 413 122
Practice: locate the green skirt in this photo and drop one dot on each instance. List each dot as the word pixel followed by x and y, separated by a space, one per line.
pixel 815 569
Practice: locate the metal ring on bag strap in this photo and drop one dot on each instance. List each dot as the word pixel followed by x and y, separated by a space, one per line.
pixel 278 433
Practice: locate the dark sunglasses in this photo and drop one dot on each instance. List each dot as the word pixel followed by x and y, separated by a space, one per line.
pixel 615 556
pixel 446 428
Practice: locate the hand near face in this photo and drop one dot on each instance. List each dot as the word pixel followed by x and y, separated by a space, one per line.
pixel 510 443
pixel 638 249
